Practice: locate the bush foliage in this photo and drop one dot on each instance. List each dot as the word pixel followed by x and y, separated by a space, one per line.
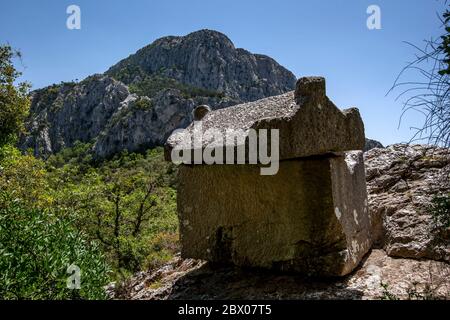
pixel 118 214
pixel 36 248
pixel 109 218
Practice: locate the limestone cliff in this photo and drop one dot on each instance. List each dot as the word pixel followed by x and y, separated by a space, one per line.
pixel 62 114
pixel 209 60
pixel 138 102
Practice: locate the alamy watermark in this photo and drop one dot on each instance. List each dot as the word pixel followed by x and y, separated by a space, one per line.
pixel 374 20
pixel 74 280
pixel 231 146
pixel 73 21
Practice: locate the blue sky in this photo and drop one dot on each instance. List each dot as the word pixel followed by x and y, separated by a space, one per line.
pixel 327 38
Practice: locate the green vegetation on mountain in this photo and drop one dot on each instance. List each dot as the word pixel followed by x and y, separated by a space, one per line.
pixel 143 84
pixel 150 86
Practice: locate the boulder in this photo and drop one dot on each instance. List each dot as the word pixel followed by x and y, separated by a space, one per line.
pixel 402 181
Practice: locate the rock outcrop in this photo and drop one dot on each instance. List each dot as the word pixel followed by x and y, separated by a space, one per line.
pixel 378 277
pixel 137 103
pixel 401 182
pixel 66 113
pixel 141 123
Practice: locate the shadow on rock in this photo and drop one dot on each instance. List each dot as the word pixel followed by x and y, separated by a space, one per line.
pixel 219 282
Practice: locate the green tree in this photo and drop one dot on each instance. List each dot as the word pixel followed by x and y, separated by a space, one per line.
pixel 128 204
pixel 14 101
pixel 24 177
pixel 38 239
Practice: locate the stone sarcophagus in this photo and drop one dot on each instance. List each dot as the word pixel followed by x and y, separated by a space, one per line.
pixel 308 215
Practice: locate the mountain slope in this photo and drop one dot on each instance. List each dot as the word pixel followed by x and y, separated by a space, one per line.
pixel 207 59
pixel 138 102
pixel 62 114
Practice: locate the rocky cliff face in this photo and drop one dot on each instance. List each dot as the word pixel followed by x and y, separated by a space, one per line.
pixel 63 114
pixel 137 103
pixel 207 59
pixel 402 181
pixel 410 259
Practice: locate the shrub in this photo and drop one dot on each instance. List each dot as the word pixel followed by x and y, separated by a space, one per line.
pixel 24 177
pixel 440 210
pixel 163 247
pixel 143 103
pixel 151 85
pixel 36 248
pixel 122 203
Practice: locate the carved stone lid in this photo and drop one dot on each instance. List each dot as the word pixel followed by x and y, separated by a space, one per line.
pixel 308 123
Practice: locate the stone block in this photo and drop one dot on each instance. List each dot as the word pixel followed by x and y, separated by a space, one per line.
pixel 311 217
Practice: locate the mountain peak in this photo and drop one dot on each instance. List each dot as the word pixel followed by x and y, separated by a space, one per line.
pixel 210 35
pixel 139 101
pixel 204 38
pixel 207 59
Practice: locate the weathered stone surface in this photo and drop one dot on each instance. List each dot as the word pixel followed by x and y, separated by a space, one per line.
pixel 308 123
pixel 63 114
pixel 351 206
pixel 188 279
pixel 200 112
pixel 310 217
pixel 135 129
pixel 401 182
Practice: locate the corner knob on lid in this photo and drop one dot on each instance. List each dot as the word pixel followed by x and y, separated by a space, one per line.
pixel 200 112
pixel 310 87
